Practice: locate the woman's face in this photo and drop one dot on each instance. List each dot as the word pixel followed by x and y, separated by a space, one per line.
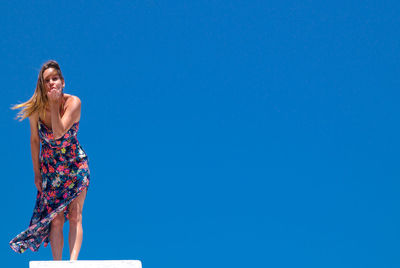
pixel 52 80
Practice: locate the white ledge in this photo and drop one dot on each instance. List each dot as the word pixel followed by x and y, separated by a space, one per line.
pixel 86 264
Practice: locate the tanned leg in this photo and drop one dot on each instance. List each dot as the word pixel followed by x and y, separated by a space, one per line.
pixel 56 236
pixel 75 225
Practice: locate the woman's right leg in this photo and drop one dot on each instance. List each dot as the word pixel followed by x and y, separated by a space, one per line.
pixel 56 236
pixel 75 225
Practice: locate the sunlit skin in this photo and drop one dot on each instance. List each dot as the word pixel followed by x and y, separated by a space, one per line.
pixel 63 111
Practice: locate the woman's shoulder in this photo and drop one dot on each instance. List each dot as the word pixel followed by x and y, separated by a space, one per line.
pixel 34 116
pixel 71 99
pixel 33 122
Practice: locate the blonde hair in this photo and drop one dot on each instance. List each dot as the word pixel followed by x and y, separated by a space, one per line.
pixel 38 102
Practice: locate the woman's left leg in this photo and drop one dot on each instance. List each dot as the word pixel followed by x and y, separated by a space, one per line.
pixel 75 225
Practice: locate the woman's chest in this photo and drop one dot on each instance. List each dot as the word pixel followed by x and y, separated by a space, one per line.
pixel 46 118
pixel 46 121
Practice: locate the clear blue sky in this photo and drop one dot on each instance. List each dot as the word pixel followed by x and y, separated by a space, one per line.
pixel 220 133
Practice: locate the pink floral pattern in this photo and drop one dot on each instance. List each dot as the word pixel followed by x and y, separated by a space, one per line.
pixel 65 174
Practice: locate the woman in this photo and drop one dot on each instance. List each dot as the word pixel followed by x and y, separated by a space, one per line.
pixel 61 171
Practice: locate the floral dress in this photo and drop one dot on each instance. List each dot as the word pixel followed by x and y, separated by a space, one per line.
pixel 65 174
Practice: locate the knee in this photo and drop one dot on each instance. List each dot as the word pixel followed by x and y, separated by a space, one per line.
pixel 57 222
pixel 75 216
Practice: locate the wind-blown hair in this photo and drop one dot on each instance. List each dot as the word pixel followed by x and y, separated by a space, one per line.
pixel 38 101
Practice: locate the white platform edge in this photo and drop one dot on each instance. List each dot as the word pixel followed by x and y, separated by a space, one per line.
pixel 86 264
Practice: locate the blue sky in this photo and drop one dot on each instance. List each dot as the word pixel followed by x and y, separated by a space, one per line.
pixel 219 133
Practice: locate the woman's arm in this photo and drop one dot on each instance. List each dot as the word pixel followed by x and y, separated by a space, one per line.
pixel 35 149
pixel 61 125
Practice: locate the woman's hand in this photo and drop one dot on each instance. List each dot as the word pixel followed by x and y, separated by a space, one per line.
pixel 55 95
pixel 38 182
